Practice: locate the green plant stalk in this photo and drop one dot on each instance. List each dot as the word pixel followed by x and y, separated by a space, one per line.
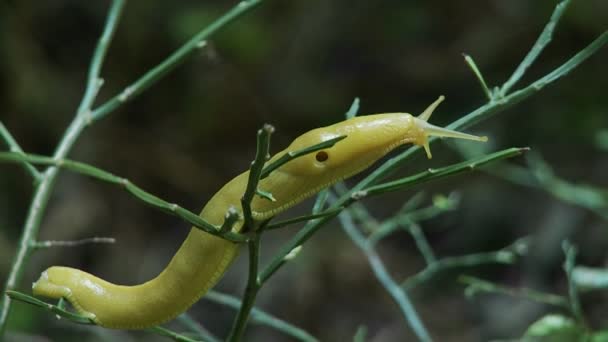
pixel 482 82
pixel 251 291
pixel 255 172
pixel 14 147
pixel 543 40
pixel 76 318
pixel 421 243
pixel 407 217
pixel 476 285
pixel 146 197
pixel 570 252
pixel 71 243
pixel 398 294
pixel 45 186
pixel 503 256
pixel 260 317
pixel 442 172
pixel 176 58
pixel 187 320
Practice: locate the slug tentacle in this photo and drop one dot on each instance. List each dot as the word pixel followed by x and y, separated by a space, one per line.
pixel 430 130
pixel 203 258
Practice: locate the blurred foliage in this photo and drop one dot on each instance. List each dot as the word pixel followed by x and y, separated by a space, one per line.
pixel 298 65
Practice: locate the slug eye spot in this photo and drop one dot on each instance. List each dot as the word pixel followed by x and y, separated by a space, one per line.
pixel 322 156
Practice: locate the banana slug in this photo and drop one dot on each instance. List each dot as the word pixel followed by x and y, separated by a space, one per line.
pixel 203 258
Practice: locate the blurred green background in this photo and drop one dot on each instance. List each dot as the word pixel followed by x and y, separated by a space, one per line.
pixel 298 65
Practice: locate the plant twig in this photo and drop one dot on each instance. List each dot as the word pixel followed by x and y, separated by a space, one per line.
pixel 14 147
pixel 197 328
pixel 260 317
pixel 305 233
pixel 471 63
pixel 130 187
pixel 74 243
pixel 255 172
pixel 45 186
pixel 175 59
pixel 507 255
pixel 543 40
pixel 476 285
pixel 432 174
pixel 398 294
pixel 251 291
pixel 76 318
pixel 287 222
pixel 570 252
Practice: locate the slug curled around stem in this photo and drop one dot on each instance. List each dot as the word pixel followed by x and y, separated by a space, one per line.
pixel 203 258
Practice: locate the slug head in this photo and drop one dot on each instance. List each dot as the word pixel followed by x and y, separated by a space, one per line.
pixel 368 138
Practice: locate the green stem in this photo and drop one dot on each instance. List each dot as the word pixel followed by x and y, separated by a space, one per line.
pixel 127 185
pixel 506 255
pixel 251 291
pixel 49 176
pixel 476 285
pixel 442 172
pixel 174 60
pixel 570 252
pixel 76 318
pixel 260 317
pixel 543 40
pixel 398 294
pixel 189 322
pixel 14 147
pixel 261 156
pixel 471 63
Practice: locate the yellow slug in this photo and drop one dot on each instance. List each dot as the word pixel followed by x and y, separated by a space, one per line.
pixel 203 258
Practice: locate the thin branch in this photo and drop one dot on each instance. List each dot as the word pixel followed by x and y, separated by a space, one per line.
pixel 255 172
pixel 570 252
pixel 305 233
pixel 398 294
pixel 262 318
pixel 74 243
pixel 197 328
pixel 251 291
pixel 432 174
pixel 476 286
pixel 94 82
pixel 175 59
pixel 471 63
pixel 45 186
pixel 421 243
pixel 14 147
pixel 287 222
pixel 507 255
pixel 543 40
pixel 407 216
pixel 76 318
pixel 144 196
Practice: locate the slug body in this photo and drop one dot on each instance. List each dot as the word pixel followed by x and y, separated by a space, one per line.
pixel 203 258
